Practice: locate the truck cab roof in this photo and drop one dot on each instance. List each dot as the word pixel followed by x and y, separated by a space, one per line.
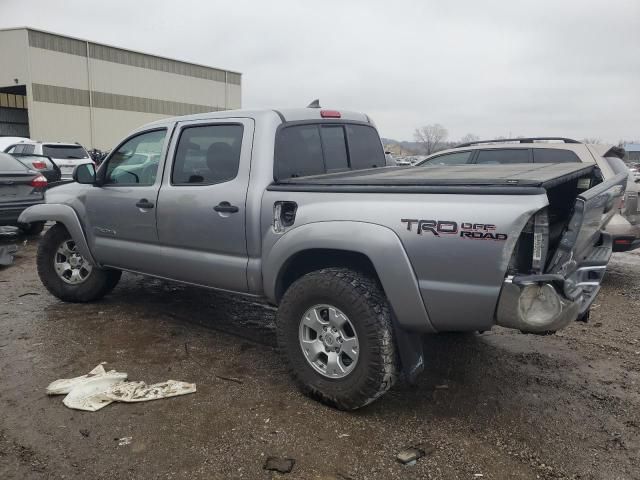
pixel 285 115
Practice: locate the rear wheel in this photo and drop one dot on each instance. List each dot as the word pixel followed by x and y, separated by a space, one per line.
pixel 66 274
pixel 334 330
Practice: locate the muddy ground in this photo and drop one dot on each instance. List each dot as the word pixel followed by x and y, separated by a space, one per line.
pixel 500 405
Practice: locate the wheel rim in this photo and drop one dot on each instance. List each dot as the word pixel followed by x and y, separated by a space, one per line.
pixel 70 266
pixel 328 341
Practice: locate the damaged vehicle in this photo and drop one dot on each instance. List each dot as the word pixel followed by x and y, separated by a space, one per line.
pixel 293 207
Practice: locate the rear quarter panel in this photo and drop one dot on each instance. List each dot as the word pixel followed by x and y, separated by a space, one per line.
pixel 459 278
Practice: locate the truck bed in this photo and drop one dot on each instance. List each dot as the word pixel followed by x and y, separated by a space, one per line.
pixel 517 179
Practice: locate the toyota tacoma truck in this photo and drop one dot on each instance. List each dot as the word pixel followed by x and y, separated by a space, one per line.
pixel 296 207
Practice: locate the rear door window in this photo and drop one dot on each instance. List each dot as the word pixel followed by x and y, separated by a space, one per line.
pixel 207 154
pixel 553 155
pixel 456 158
pixel 501 156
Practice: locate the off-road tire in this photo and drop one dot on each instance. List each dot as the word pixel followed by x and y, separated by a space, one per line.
pixel 34 228
pixel 362 300
pixel 97 285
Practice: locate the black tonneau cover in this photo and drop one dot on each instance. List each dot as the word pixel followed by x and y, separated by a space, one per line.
pixel 516 179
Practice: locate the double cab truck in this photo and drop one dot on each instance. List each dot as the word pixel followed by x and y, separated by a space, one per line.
pixel 297 208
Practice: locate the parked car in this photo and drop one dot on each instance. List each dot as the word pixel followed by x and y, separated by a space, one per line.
pixel 40 163
pixel 67 156
pixel 361 260
pixel 625 226
pixel 6 142
pixel 20 188
pixel 403 161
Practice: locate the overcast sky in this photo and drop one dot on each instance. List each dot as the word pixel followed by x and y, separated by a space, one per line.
pixel 511 67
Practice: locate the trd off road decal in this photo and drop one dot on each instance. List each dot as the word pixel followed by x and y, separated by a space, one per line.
pixel 442 228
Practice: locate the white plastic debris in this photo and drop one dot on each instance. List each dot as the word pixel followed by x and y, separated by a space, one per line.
pixel 99 388
pixel 124 441
pixel 141 392
pixel 65 385
pixel 91 395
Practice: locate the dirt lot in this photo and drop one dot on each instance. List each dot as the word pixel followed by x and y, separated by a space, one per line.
pixel 500 405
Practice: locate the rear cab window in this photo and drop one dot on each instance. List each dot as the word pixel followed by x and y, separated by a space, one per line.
pixel 554 155
pixel 318 148
pixel 70 152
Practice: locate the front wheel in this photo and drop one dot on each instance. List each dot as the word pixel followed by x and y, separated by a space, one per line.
pixel 68 275
pixel 334 330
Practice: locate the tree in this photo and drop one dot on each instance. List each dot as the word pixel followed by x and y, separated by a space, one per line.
pixel 431 137
pixel 595 140
pixel 469 137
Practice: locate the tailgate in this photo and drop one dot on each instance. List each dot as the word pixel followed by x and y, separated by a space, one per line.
pixel 582 239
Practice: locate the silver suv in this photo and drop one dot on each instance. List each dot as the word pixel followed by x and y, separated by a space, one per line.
pixel 624 227
pixel 67 156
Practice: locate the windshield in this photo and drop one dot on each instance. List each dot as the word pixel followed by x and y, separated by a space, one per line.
pixel 64 151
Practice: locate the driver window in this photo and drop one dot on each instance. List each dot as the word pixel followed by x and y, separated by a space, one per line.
pixel 136 161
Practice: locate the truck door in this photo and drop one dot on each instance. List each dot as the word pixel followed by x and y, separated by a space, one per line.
pixel 201 206
pixel 120 214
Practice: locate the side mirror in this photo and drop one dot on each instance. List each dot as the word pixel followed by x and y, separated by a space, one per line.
pixel 85 173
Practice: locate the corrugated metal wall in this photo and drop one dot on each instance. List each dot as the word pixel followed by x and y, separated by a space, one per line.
pixel 104 92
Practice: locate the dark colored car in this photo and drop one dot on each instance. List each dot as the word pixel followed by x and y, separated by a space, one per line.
pixel 40 163
pixel 20 188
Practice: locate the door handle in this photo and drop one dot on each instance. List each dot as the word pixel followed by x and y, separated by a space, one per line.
pixel 225 207
pixel 144 203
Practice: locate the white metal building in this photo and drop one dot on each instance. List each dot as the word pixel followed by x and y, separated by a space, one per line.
pixel 59 88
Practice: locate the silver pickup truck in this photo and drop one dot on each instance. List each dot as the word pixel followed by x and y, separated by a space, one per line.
pixel 296 207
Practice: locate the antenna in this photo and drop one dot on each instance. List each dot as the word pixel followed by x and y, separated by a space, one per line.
pixel 314 104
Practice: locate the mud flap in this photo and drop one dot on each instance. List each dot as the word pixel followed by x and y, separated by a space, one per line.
pixel 410 351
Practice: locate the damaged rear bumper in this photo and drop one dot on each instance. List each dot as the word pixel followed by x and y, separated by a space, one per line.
pixel 549 302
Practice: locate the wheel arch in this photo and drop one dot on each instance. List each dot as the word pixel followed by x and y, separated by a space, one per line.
pixel 64 215
pixel 312 259
pixel 366 247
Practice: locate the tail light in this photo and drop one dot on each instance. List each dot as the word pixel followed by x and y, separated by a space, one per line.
pixel 39 182
pixel 39 165
pixel 540 241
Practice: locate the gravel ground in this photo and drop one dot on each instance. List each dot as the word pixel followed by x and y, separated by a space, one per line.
pixel 500 405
